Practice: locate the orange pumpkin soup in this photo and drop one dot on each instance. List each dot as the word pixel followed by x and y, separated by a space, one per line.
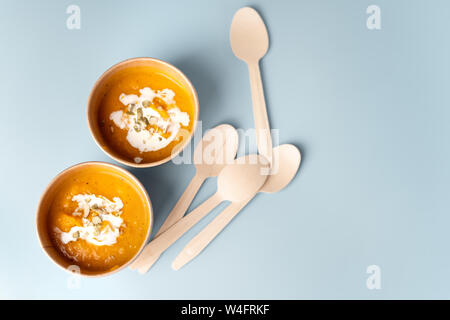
pixel 144 114
pixel 98 219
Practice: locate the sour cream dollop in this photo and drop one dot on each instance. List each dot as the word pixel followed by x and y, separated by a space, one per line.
pixel 152 119
pixel 101 220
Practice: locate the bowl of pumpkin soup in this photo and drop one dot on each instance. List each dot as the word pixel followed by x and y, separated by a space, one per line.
pixel 94 217
pixel 142 112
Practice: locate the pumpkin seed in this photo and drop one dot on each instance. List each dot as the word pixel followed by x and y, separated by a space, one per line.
pixel 140 114
pixel 131 109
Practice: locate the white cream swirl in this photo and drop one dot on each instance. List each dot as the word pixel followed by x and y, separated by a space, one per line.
pixel 141 113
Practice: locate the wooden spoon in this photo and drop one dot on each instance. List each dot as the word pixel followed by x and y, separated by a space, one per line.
pixel 250 42
pixel 236 182
pixel 286 161
pixel 209 160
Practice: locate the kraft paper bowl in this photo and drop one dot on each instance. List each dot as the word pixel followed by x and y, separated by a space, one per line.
pixel 100 88
pixel 47 199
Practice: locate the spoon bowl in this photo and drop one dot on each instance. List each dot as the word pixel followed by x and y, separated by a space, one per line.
pixel 242 179
pixel 217 149
pixel 248 35
pixel 286 161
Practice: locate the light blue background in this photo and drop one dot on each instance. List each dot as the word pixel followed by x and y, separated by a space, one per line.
pixel 368 109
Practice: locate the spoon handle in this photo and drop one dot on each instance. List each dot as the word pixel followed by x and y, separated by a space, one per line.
pixel 264 139
pixel 156 247
pixel 178 210
pixel 201 240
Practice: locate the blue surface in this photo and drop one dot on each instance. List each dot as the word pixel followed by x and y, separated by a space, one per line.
pixel 368 109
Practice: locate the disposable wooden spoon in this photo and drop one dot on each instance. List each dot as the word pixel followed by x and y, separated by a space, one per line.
pixel 217 148
pixel 236 182
pixel 286 161
pixel 250 42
